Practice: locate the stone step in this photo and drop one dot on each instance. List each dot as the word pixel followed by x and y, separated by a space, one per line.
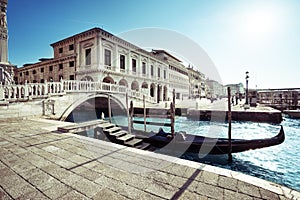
pixel 106 125
pixel 76 127
pixel 134 142
pixel 118 134
pixel 126 138
pixel 112 129
pixel 143 146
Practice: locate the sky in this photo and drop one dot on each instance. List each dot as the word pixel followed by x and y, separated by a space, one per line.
pixel 261 37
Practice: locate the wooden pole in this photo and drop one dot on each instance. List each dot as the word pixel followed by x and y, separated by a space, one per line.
pixel 128 114
pixel 174 98
pixel 172 119
pixel 109 109
pixel 229 127
pixel 144 106
pixel 131 114
pixel 172 109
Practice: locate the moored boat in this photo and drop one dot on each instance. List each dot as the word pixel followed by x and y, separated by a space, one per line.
pixel 207 145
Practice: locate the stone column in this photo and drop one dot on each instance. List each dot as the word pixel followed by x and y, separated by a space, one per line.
pixel 2 95
pixel 3 33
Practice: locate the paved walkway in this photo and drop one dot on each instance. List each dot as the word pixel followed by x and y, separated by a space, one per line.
pixel 39 163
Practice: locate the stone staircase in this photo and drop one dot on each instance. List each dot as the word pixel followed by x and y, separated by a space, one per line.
pixel 104 130
pixel 117 135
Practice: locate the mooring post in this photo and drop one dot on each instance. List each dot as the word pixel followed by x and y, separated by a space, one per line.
pixel 173 98
pixel 144 106
pixel 229 126
pixel 173 114
pixel 109 109
pixel 128 114
pixel 172 119
pixel 131 114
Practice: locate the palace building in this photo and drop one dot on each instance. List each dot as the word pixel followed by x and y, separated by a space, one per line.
pixel 178 74
pixel 97 55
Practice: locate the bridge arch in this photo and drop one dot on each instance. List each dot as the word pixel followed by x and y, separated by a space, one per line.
pixel 85 98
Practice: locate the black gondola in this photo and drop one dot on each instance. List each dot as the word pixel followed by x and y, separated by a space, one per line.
pixel 200 144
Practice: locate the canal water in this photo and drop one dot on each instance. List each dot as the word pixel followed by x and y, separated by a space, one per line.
pixel 279 164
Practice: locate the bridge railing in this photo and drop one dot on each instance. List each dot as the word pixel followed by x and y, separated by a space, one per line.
pixel 89 86
pixel 43 90
pixel 30 90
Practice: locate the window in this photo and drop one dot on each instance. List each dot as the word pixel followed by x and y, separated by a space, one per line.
pixel 165 74
pixel 27 73
pixel 71 64
pixel 51 68
pixel 88 56
pixel 42 70
pixel 158 72
pixel 152 70
pixel 60 50
pixel 20 74
pixel 122 62
pixel 133 64
pixel 72 77
pixel 143 67
pixel 61 66
pixel 42 81
pixel 34 71
pixel 107 57
pixel 60 77
pixel 71 47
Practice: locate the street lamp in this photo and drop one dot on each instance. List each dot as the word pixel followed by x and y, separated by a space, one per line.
pixel 247 77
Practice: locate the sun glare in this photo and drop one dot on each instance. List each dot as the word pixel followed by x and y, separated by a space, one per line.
pixel 258 24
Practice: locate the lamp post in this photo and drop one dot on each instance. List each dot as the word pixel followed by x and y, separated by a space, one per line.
pixel 247 77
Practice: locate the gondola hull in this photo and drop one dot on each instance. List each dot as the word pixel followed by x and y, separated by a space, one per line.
pixel 206 145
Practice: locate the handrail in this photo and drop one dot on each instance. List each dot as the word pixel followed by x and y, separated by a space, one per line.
pixel 34 90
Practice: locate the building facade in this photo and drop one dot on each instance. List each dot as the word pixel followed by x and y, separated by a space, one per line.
pixel 215 89
pixel 97 55
pixel 197 84
pixel 177 74
pixel 287 96
pixel 6 69
pixel 235 89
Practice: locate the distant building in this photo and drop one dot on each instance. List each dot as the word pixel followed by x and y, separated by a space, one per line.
pixel 236 89
pixel 197 83
pixel 215 89
pixel 6 69
pixel 279 97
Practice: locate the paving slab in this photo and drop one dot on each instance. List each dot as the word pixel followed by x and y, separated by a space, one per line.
pixel 37 162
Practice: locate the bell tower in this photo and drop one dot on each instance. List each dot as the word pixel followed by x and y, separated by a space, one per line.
pixel 6 69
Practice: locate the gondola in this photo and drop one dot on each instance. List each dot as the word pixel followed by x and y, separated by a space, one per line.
pixel 207 145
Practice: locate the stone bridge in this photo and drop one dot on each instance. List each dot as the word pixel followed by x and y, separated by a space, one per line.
pixel 59 99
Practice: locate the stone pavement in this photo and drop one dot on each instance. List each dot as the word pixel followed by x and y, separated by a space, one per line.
pixel 39 163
